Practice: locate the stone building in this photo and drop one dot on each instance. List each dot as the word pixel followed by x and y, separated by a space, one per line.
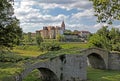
pixel 50 32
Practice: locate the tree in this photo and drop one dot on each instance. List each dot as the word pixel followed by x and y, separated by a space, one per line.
pixel 60 38
pixel 107 10
pixel 10 31
pixel 67 32
pixel 107 39
pixel 29 38
pixel 76 31
pixel 114 36
pixel 39 39
pixel 99 41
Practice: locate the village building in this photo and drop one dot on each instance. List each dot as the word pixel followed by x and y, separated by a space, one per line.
pixel 51 32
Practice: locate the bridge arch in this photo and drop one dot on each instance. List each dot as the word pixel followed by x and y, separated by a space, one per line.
pixel 46 73
pixel 96 61
pixel 98 58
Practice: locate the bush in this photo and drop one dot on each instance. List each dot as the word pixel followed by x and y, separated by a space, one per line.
pixel 8 78
pixel 50 47
pixel 6 56
pixel 116 47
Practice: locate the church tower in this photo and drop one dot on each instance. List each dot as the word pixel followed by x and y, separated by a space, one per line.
pixel 63 26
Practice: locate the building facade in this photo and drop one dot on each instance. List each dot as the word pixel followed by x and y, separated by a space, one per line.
pixel 51 32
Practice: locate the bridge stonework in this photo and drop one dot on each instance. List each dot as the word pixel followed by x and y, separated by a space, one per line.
pixel 72 67
pixel 101 52
pixel 64 67
pixel 114 61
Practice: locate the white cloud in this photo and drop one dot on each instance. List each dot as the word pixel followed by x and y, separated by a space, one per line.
pixel 65 4
pixel 86 13
pixel 81 27
pixel 99 25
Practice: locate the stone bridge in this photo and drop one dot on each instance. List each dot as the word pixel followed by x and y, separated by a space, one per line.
pixel 70 67
pixel 97 57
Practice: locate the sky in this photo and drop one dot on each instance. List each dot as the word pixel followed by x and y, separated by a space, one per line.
pixel 77 14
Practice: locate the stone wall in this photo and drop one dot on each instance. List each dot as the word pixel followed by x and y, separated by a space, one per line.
pixel 114 61
pixel 74 68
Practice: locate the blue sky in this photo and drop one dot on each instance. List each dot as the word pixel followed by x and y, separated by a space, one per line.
pixel 77 14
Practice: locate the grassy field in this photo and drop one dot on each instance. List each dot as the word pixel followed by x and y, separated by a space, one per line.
pixel 74 45
pixel 28 53
pixel 33 76
pixel 102 75
pixel 7 69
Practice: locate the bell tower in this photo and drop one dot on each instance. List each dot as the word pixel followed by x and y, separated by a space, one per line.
pixel 63 26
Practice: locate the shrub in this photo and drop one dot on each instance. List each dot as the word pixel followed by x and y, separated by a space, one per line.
pixel 50 46
pixel 6 56
pixel 116 47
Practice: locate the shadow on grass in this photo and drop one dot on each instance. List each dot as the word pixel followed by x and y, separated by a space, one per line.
pixel 102 75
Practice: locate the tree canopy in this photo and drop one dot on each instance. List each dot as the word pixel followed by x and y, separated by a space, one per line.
pixel 39 39
pixel 106 39
pixel 107 10
pixel 10 31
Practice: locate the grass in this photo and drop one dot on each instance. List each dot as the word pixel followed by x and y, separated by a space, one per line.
pixel 31 51
pixel 102 75
pixel 52 54
pixel 67 48
pixel 33 76
pixel 7 70
pixel 74 45
pixel 28 53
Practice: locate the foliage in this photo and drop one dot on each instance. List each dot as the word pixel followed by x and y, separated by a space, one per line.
pixel 116 47
pixel 107 10
pixel 9 69
pixel 67 32
pixel 105 38
pixel 39 39
pixel 60 38
pixel 50 40
pixel 7 56
pixel 29 37
pixel 10 32
pixel 52 54
pixel 76 32
pixel 50 46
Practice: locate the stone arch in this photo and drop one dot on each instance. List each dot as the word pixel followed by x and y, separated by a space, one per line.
pixel 99 53
pixel 47 74
pixel 96 61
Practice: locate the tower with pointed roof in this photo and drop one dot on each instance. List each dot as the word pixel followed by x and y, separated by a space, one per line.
pixel 63 26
